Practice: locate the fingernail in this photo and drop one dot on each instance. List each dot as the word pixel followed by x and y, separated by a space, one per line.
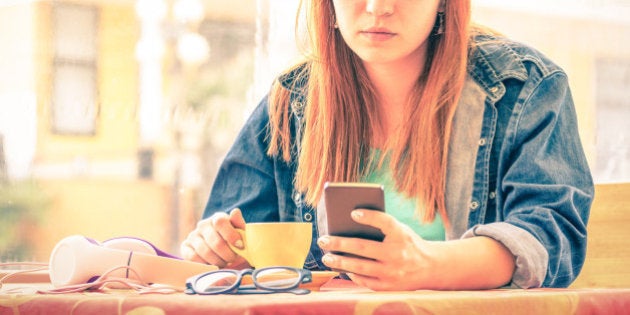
pixel 238 244
pixel 328 259
pixel 323 241
pixel 357 214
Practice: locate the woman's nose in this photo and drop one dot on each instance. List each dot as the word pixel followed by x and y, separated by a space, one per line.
pixel 379 7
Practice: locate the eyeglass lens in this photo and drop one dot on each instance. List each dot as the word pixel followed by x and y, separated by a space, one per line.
pixel 277 278
pixel 216 281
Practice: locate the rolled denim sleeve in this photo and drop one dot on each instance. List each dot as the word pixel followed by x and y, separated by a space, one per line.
pixel 530 255
pixel 245 179
pixel 544 186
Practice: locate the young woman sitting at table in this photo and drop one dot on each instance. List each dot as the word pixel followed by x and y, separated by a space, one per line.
pixel 473 135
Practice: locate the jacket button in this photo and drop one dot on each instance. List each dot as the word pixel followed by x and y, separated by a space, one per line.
pixel 308 217
pixel 492 195
pixel 297 105
pixel 494 89
pixel 474 205
pixel 482 142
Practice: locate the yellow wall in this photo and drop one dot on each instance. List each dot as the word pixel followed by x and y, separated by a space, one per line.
pixel 97 206
pixel 116 129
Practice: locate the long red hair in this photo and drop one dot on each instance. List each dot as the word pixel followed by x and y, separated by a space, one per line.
pixel 340 109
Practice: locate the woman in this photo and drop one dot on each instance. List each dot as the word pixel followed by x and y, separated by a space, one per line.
pixel 474 137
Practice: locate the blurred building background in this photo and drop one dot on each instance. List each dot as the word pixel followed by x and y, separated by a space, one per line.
pixel 114 114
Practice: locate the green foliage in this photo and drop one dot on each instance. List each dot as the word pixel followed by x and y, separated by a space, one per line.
pixel 22 207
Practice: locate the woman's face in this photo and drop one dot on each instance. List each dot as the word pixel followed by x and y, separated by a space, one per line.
pixel 385 31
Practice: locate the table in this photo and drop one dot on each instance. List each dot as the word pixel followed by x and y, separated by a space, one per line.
pixel 335 297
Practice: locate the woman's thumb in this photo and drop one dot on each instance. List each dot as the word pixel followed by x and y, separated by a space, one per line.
pixel 236 218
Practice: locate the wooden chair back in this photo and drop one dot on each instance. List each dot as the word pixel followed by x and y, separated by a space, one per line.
pixel 608 248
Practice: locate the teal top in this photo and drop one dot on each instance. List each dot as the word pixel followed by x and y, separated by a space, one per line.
pixel 401 207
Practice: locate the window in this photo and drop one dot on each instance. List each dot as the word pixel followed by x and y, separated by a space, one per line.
pixel 613 113
pixel 74 101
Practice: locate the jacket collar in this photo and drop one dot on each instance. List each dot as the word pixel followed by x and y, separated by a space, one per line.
pixel 491 61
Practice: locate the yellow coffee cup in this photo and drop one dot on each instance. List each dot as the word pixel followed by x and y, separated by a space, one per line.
pixel 268 244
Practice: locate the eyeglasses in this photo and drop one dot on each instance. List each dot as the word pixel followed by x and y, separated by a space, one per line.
pixel 265 280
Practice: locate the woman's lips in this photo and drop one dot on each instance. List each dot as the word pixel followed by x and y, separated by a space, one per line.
pixel 377 33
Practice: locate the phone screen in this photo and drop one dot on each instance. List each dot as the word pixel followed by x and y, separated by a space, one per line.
pixel 341 198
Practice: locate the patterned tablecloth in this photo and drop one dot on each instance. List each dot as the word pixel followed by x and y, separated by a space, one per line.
pixel 334 298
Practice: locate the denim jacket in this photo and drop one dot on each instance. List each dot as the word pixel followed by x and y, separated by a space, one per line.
pixel 516 168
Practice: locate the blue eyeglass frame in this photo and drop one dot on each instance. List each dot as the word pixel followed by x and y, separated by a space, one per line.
pixel 305 276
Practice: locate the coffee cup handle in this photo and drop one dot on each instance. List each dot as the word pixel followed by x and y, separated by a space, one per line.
pixel 241 252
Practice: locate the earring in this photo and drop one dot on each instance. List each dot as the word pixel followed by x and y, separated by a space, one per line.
pixel 438 28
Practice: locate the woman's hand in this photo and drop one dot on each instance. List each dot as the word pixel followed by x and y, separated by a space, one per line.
pixel 208 243
pixel 405 261
pixel 400 262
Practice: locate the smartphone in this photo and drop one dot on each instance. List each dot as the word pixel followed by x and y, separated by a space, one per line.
pixel 339 199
